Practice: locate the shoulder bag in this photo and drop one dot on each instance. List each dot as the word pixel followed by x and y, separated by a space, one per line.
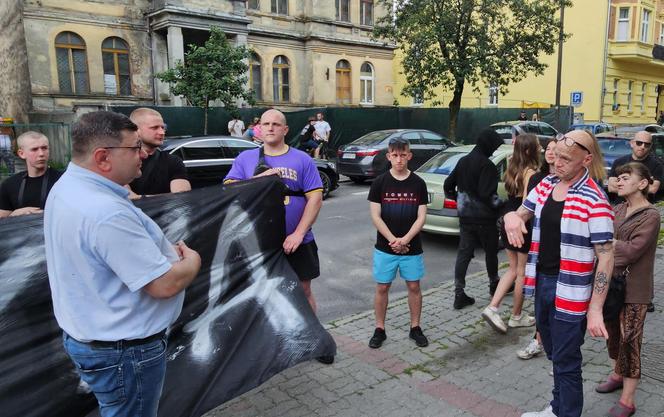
pixel 615 297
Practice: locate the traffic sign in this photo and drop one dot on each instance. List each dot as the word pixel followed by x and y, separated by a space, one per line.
pixel 576 98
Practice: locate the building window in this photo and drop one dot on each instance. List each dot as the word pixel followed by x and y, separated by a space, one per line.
pixel 493 94
pixel 623 24
pixel 253 4
pixel 629 95
pixel 418 98
pixel 661 34
pixel 614 105
pixel 366 12
pixel 343 82
pixel 343 10
pixel 255 80
pixel 280 77
pixel 366 84
pixel 645 25
pixel 115 57
pixel 72 63
pixel 643 97
pixel 280 6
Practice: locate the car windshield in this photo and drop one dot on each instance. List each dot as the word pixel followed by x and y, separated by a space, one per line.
pixel 372 138
pixel 505 132
pixel 443 163
pixel 614 147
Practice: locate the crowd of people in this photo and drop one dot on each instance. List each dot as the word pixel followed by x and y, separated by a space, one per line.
pixel 564 240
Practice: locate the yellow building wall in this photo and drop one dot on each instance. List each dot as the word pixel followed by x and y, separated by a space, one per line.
pixel 583 55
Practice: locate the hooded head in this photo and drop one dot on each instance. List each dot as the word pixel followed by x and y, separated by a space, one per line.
pixel 488 141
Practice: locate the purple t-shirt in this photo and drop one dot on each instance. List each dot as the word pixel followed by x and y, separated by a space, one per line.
pixel 296 169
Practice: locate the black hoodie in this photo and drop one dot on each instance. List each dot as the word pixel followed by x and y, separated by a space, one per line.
pixel 474 182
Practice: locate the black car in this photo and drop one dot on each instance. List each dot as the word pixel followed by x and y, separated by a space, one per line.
pixel 208 159
pixel 366 157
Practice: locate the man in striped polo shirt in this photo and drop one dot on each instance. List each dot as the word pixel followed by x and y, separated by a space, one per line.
pixel 572 228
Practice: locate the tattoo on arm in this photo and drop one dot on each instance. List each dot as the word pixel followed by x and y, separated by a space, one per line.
pixel 601 282
pixel 604 248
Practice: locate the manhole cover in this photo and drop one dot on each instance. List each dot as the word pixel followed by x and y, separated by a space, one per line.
pixel 652 361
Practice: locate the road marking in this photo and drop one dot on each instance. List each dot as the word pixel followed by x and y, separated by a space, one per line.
pixel 360 193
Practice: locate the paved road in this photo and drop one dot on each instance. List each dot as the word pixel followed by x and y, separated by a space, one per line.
pixel 346 236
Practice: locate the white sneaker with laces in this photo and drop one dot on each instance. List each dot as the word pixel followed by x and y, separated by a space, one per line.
pixel 547 412
pixel 524 321
pixel 494 320
pixel 533 349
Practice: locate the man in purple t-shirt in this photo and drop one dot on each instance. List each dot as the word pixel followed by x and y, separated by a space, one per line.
pixel 298 171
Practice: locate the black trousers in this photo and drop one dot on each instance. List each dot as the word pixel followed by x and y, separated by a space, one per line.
pixel 472 236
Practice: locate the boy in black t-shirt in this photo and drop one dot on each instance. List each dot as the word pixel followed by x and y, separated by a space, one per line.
pixel 398 201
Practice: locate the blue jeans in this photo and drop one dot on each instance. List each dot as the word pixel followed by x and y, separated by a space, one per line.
pixel 562 342
pixel 126 381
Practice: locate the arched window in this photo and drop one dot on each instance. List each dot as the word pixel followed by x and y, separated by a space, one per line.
pixel 255 76
pixel 72 63
pixel 115 56
pixel 366 84
pixel 343 82
pixel 280 79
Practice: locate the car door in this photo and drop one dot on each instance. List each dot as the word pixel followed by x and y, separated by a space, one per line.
pixel 416 147
pixel 232 148
pixel 432 144
pixel 201 158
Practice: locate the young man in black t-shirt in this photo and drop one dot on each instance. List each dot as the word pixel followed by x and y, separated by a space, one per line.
pixel 641 152
pixel 26 192
pixel 398 201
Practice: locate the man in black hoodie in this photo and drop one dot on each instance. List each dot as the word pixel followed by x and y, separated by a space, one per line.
pixel 474 184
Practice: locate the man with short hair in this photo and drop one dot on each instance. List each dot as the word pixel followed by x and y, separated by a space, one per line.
pixel 304 197
pixel 162 172
pixel 26 192
pixel 321 133
pixel 572 237
pixel 522 116
pixel 641 146
pixel 117 283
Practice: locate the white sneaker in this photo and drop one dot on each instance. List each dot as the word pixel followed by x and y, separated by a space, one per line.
pixel 533 349
pixel 524 321
pixel 494 320
pixel 547 412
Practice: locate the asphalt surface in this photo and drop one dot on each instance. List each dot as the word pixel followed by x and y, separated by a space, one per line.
pixel 346 236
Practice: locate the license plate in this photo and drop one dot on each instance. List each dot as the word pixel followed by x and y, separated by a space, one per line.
pixel 348 156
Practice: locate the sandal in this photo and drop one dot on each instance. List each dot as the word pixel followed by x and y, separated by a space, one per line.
pixel 621 410
pixel 609 386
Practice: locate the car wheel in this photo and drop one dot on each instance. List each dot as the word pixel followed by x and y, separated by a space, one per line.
pixel 357 180
pixel 327 183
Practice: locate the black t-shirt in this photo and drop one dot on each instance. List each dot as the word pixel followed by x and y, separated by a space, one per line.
pixel 656 168
pixel 399 202
pixel 549 251
pixel 159 169
pixel 32 191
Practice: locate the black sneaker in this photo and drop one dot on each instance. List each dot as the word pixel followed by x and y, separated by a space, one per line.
pixel 492 287
pixel 378 338
pixel 326 360
pixel 461 300
pixel 419 337
pixel 651 308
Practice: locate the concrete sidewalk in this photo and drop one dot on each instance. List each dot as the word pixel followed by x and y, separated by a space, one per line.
pixel 467 369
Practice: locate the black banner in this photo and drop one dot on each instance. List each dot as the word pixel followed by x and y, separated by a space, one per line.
pixel 245 317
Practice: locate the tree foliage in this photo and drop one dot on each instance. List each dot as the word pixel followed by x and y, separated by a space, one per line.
pixel 451 43
pixel 215 71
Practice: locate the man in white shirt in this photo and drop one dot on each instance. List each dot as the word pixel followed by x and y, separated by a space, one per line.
pixel 322 133
pixel 236 126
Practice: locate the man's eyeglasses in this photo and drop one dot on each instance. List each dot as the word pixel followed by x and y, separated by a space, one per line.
pixel 571 142
pixel 642 143
pixel 137 147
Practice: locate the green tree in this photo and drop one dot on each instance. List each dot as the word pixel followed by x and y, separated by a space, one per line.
pixel 215 71
pixel 451 43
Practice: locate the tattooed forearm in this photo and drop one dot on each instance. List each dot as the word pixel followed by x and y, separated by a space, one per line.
pixel 601 282
pixel 604 248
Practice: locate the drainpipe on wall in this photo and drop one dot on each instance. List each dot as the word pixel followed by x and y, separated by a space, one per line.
pixel 154 81
pixel 606 61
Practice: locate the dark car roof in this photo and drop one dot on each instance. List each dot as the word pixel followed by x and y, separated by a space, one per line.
pixel 170 143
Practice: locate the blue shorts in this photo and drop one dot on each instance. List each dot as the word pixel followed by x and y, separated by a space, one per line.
pixel 385 266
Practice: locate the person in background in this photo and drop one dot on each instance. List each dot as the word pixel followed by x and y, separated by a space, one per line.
pixel 637 225
pixel 235 125
pixel 523 116
pixel 641 146
pixel 26 192
pixel 525 162
pixel 321 133
pixel 7 152
pixel 307 142
pixel 257 131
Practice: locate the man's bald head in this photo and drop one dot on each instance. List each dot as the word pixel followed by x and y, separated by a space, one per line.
pixel 27 137
pixel 273 128
pixel 574 154
pixel 139 114
pixel 641 144
pixel 276 113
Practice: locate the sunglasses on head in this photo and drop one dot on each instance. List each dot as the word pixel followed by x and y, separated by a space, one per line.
pixel 642 143
pixel 571 142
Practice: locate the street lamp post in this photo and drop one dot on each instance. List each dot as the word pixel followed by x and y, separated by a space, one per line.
pixel 561 39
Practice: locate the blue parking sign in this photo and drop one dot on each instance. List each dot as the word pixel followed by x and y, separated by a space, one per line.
pixel 576 98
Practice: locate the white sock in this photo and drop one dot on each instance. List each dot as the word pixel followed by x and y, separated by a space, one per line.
pixel 494 309
pixel 515 317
